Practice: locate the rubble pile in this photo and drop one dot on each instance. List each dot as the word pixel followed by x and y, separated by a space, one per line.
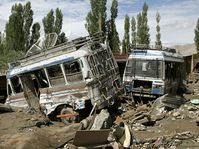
pixel 193 83
pixel 164 126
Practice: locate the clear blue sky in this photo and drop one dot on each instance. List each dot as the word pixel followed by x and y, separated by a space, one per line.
pixel 178 17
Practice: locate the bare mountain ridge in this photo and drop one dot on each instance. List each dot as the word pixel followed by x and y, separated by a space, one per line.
pixel 186 49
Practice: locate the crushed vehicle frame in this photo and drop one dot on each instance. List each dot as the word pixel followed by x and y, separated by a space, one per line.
pixel 152 73
pixel 73 76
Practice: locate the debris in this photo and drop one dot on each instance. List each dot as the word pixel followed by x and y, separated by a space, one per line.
pixel 176 114
pixel 195 101
pixel 93 138
pixel 158 142
pixel 166 102
pixel 8 108
pixel 127 141
pixel 102 120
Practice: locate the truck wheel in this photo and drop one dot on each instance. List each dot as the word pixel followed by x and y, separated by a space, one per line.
pixel 71 118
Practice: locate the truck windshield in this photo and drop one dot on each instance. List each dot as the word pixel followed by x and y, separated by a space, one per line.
pixel 144 68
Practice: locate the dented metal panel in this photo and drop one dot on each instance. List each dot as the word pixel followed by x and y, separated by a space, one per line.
pixel 93 137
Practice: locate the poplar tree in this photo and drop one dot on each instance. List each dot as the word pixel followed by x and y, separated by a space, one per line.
pixel 139 28
pixel 158 42
pixel 96 17
pixel 35 33
pixel 126 42
pixel 14 29
pixel 102 16
pixel 58 21
pixel 143 36
pixel 113 37
pixel 1 43
pixel 196 39
pixel 48 22
pixel 53 23
pixel 133 32
pixel 28 19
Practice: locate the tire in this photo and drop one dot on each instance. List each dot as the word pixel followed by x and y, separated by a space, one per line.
pixel 68 120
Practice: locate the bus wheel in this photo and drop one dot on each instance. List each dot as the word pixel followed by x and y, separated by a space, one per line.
pixel 68 115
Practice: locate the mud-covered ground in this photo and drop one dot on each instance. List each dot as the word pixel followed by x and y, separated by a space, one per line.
pixel 174 128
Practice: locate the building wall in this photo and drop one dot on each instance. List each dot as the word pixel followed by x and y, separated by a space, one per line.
pixel 187 64
pixel 195 61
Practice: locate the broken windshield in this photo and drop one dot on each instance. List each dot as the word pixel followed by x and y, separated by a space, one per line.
pixel 144 68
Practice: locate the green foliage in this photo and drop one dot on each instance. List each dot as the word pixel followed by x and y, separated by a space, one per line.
pixel 114 9
pixel 126 41
pixel 112 34
pixel 158 42
pixel 1 43
pixel 139 28
pixel 14 29
pixel 18 27
pixel 28 19
pixel 143 36
pixel 17 31
pixel 133 32
pixel 48 22
pixel 58 21
pixel 196 39
pixel 35 33
pixel 8 56
pixel 96 18
pixel 53 23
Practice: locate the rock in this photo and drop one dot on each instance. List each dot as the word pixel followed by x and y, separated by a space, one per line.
pixel 172 147
pixel 139 127
pixel 102 120
pixel 173 119
pixel 197 139
pixel 146 145
pixel 182 116
pixel 33 119
pixel 191 108
pixel 176 114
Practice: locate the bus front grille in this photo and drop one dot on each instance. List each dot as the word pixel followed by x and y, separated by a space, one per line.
pixel 142 86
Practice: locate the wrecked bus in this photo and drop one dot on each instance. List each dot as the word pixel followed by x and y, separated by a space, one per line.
pixel 152 73
pixel 69 77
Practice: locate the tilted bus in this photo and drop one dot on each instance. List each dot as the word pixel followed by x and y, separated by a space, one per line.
pixel 69 77
pixel 153 73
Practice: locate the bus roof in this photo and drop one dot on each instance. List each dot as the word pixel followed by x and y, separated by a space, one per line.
pixel 54 55
pixel 156 55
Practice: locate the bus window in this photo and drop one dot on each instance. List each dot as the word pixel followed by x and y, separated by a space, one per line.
pixel 129 68
pixel 9 90
pixel 41 78
pixel 55 75
pixel 73 71
pixel 170 71
pixel 144 68
pixel 16 84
